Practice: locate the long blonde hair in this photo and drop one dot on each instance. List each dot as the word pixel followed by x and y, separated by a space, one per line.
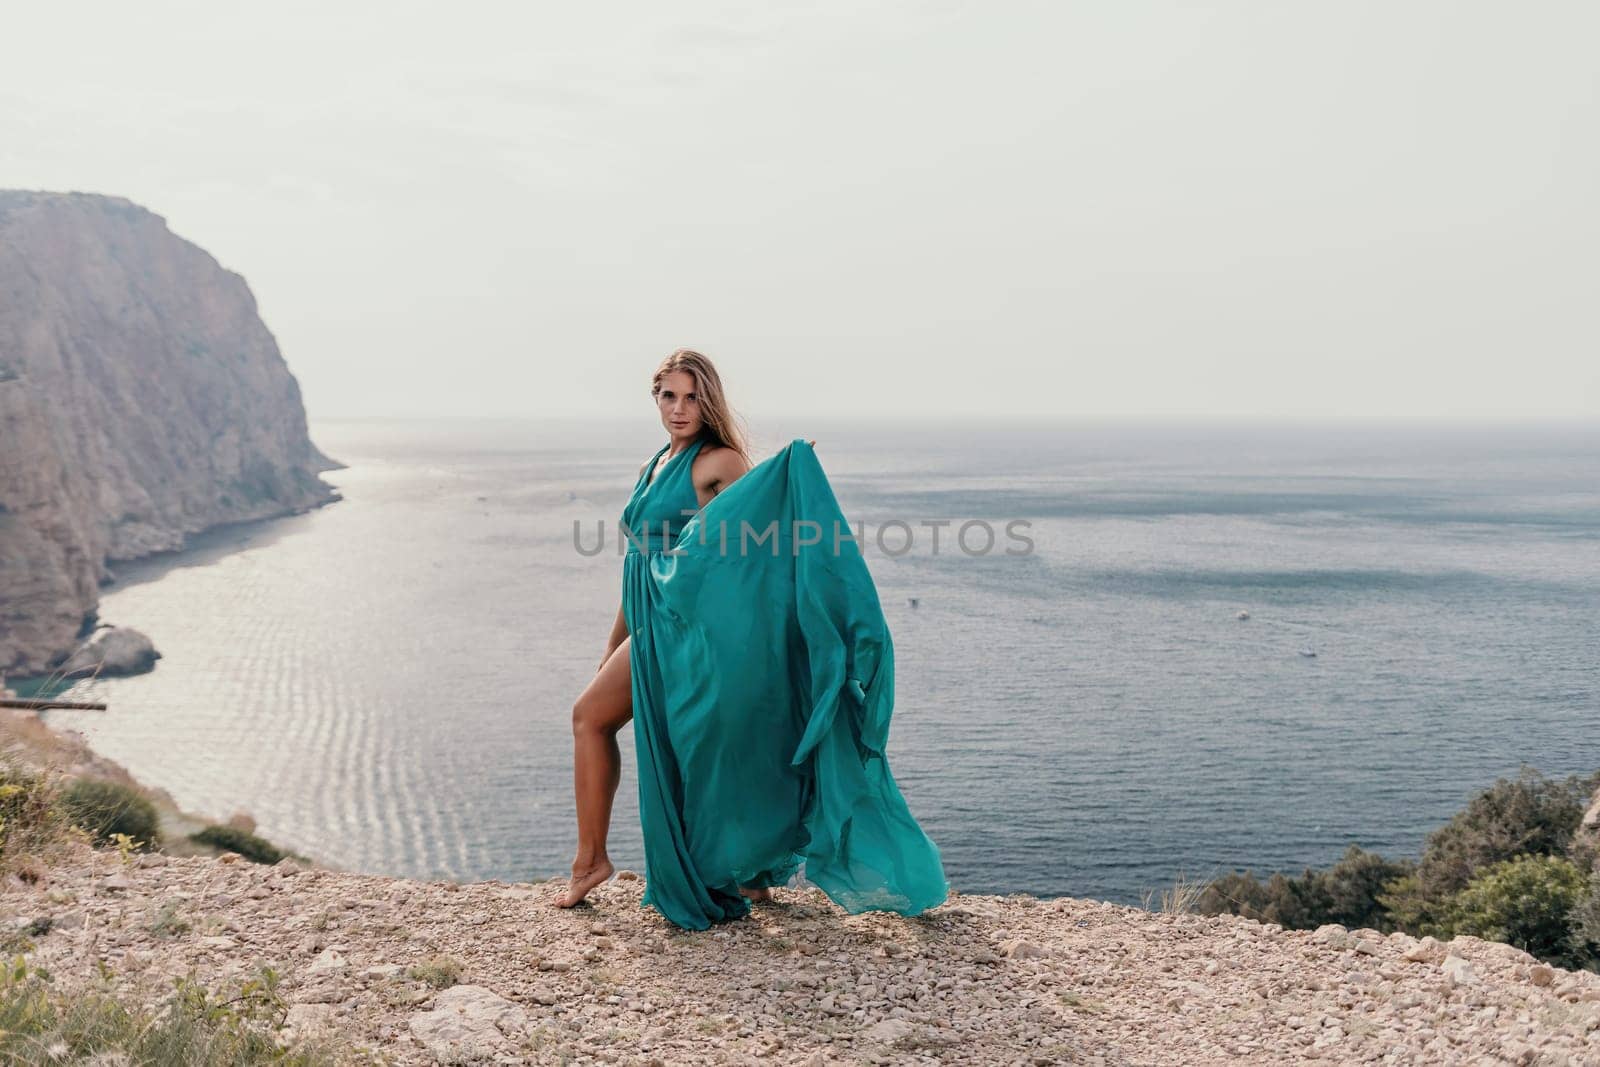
pixel 719 424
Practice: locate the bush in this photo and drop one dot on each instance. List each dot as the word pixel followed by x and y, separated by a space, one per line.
pixel 1530 902
pixel 1586 915
pixel 1346 893
pixel 40 1023
pixel 1532 815
pixel 233 839
pixel 107 808
pixel 1510 866
pixel 1352 886
pixel 1409 909
pixel 32 824
pixel 1279 899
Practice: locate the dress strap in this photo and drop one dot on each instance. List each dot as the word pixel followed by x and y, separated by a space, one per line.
pixel 691 451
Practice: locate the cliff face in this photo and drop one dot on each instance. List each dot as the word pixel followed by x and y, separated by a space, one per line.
pixel 141 400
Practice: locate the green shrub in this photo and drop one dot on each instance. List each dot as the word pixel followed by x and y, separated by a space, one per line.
pixel 1409 909
pixel 1510 866
pixel 1586 914
pixel 1352 885
pixel 1530 902
pixel 1289 902
pixel 1346 893
pixel 106 809
pixel 233 839
pixel 1531 815
pixel 40 1023
pixel 31 820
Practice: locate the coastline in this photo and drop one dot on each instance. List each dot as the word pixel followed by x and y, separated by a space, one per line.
pixel 446 971
pixel 71 751
pixel 441 971
pixel 31 738
pixel 199 546
pixel 1151 839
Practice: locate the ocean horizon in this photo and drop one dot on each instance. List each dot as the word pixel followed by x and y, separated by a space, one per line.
pixel 386 683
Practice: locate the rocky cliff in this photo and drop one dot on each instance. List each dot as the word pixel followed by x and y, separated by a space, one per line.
pixel 488 972
pixel 142 399
pixel 424 972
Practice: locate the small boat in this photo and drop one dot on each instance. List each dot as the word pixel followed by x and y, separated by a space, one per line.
pixel 1242 616
pixel 1308 652
pixel 912 601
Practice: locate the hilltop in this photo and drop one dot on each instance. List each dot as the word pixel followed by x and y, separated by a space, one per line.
pixel 422 972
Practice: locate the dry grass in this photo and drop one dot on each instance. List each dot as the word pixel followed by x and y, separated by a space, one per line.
pixel 438 971
pixel 1180 899
pixel 29 742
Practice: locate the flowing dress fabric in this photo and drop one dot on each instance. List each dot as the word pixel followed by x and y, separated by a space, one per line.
pixel 763 683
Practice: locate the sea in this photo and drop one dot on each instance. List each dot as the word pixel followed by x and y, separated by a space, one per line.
pixel 1212 645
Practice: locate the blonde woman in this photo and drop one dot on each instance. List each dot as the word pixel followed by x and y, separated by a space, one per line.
pixel 759 683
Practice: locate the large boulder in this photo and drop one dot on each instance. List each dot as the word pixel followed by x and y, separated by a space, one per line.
pixel 113 650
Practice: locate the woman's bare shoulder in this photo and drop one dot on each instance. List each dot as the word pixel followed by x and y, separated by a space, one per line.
pixel 723 455
pixel 717 465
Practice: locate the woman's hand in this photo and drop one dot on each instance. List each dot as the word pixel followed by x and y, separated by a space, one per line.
pixel 813 444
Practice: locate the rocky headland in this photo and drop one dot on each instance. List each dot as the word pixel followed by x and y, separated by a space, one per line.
pixel 414 972
pixel 374 969
pixel 142 400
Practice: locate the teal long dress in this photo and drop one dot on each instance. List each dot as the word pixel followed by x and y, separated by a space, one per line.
pixel 763 683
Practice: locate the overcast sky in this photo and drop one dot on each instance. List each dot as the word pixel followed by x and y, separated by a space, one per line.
pixel 864 207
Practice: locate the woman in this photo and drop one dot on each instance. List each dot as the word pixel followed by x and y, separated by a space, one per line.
pixel 759 681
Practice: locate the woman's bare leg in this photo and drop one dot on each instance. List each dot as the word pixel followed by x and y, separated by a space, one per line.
pixel 604 707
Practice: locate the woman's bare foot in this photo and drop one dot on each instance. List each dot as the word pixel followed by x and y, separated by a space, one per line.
pixel 583 881
pixel 756 895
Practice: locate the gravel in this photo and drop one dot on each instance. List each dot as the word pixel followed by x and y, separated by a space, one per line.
pixel 429 972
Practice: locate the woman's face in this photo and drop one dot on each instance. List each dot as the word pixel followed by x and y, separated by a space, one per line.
pixel 679 404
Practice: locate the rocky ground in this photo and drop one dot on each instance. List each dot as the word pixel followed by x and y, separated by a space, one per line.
pixel 981 980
